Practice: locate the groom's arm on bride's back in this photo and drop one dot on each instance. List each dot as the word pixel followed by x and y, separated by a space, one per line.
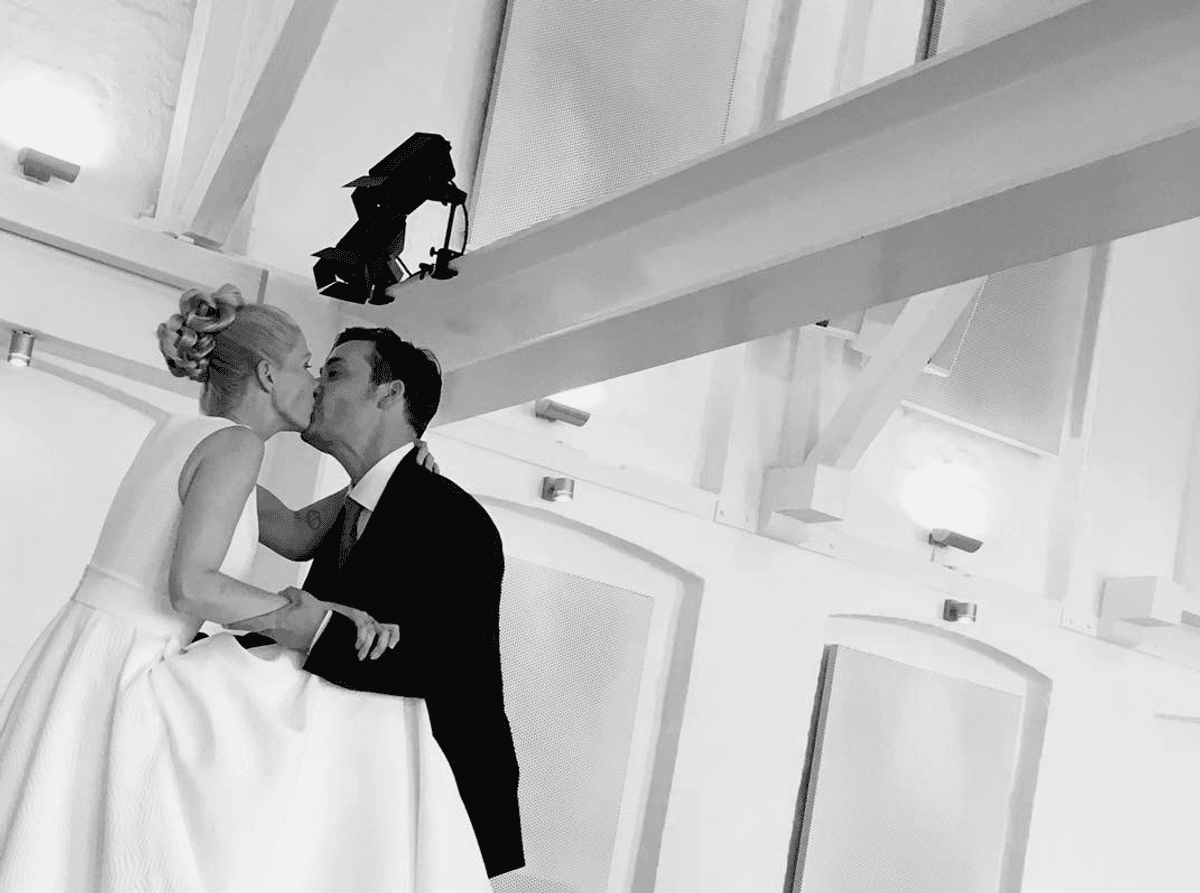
pixel 295 533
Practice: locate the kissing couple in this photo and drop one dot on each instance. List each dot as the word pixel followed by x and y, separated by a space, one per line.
pixel 356 738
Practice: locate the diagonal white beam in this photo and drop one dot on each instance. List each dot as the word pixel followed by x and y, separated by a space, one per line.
pixel 258 110
pixel 207 79
pixel 921 326
pixel 1077 130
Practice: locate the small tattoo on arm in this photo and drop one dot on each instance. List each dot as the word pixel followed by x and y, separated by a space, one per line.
pixel 313 519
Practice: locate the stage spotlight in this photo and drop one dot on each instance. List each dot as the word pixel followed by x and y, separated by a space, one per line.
pixel 366 260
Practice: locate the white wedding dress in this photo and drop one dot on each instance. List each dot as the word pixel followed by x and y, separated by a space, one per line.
pixel 133 762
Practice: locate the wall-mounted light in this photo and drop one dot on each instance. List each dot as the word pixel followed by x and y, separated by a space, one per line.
pixel 955 611
pixel 940 536
pixel 558 489
pixel 20 348
pixel 41 167
pixel 553 411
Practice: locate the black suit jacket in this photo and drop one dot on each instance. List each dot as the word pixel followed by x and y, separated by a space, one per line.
pixel 431 560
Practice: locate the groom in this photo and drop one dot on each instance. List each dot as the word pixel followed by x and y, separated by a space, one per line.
pixel 412 548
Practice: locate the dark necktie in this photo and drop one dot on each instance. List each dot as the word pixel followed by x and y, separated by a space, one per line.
pixel 352 511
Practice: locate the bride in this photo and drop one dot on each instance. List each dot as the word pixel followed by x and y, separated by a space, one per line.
pixel 131 760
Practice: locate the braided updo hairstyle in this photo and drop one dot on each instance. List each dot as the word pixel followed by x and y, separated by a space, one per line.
pixel 218 339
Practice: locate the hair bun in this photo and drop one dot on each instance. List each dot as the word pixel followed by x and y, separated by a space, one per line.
pixel 189 336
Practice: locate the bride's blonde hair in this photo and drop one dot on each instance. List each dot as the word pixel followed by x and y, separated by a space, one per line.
pixel 218 339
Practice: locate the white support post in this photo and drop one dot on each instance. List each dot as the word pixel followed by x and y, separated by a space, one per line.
pixel 724 389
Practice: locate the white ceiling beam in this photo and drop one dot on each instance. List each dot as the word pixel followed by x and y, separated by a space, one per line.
pixel 997 156
pixel 103 360
pixel 239 149
pixel 52 219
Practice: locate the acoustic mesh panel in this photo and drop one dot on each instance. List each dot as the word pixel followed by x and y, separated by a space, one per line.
pixel 911 781
pixel 593 97
pixel 1014 370
pixel 573 653
pixel 961 23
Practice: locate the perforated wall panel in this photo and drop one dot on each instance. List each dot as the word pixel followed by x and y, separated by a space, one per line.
pixel 962 23
pixel 911 783
pixel 1013 373
pixel 573 654
pixel 593 97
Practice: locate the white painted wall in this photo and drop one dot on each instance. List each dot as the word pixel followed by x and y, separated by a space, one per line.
pixel 1142 421
pixel 757 651
pixel 651 420
pixel 1017 487
pixel 94 82
pixel 63 452
pixel 971 22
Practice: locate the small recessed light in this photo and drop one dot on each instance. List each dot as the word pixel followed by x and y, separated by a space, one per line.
pixel 558 489
pixel 20 348
pixel 553 411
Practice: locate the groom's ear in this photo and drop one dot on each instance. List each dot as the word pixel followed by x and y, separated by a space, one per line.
pixel 390 394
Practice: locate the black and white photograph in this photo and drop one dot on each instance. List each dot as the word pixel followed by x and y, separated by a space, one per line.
pixel 599 446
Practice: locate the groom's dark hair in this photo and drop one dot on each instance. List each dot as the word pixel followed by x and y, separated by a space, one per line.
pixel 394 359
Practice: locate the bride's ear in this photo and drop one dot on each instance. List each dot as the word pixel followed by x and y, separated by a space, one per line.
pixel 264 376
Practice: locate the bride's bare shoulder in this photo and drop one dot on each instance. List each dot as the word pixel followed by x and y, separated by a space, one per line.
pixel 231 450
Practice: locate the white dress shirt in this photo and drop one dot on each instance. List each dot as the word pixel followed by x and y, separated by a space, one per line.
pixel 367 493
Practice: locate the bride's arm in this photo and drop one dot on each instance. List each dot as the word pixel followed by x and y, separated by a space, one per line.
pixel 213 496
pixel 295 534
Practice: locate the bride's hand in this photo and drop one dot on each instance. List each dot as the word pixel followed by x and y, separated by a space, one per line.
pixel 425 458
pixel 370 631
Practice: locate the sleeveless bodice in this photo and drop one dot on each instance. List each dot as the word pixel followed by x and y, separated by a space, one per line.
pixel 130 567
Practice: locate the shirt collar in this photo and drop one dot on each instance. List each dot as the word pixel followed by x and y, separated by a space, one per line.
pixel 368 491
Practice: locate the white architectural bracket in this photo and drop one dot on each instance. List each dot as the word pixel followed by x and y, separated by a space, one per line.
pixel 911 340
pixel 817 490
pixel 1133 610
pixel 969 164
pixel 813 494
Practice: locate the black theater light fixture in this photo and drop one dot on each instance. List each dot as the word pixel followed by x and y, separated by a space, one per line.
pixel 366 260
